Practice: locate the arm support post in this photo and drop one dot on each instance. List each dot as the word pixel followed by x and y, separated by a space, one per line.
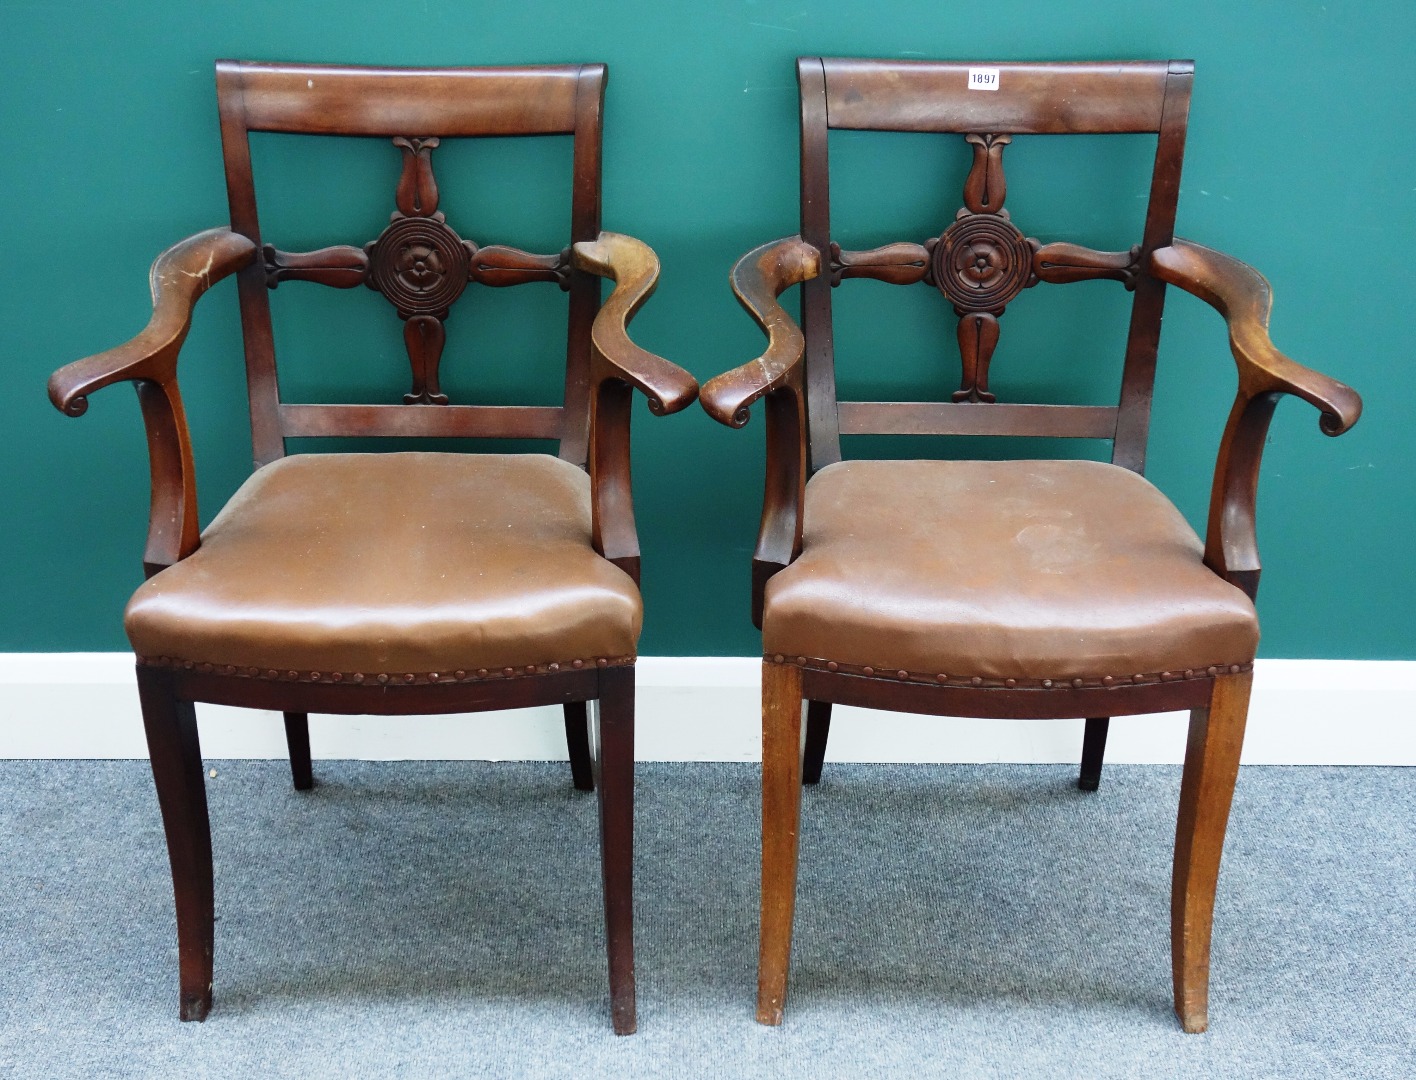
pixel 1240 294
pixel 618 367
pixel 759 278
pixel 179 277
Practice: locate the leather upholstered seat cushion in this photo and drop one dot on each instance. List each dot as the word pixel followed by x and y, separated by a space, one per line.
pixel 1026 570
pixel 400 563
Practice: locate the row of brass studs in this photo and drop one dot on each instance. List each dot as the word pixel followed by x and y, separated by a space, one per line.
pixel 1010 684
pixel 383 678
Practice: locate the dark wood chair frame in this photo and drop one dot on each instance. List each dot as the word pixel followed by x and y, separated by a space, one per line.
pixel 795 379
pixel 414 108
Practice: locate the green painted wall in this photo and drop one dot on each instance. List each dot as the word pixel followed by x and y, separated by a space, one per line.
pixel 1300 161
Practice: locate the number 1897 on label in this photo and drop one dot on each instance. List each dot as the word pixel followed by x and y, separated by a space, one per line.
pixel 983 78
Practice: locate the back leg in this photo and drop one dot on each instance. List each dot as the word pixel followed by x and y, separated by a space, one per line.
pixel 614 745
pixel 577 741
pixel 297 737
pixel 176 756
pixel 1093 750
pixel 818 729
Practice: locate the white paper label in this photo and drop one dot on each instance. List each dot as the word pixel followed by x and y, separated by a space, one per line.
pixel 983 78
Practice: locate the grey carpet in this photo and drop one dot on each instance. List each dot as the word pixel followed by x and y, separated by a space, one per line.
pixel 434 919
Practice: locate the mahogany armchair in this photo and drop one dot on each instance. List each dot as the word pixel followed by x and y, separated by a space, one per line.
pixel 398 583
pixel 1025 589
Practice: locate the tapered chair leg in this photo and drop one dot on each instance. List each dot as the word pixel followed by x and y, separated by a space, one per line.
pixel 614 743
pixel 577 741
pixel 818 730
pixel 781 817
pixel 181 794
pixel 1206 791
pixel 1093 750
pixel 297 737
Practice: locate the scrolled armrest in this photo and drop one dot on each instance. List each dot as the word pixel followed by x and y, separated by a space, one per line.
pixel 1242 295
pixel 178 278
pixel 634 268
pixel 618 368
pixel 180 275
pixel 759 277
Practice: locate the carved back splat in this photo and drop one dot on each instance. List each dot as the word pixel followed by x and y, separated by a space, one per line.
pixel 418 262
pixel 982 261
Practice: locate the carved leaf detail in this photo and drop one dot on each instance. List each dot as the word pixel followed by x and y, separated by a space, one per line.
pixel 986 187
pixel 978 336
pixel 424 337
pixel 417 194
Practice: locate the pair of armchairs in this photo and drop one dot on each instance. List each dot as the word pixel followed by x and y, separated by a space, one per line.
pixel 407 583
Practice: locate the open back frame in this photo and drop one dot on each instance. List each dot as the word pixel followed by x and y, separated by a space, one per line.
pixel 415 109
pixel 931 97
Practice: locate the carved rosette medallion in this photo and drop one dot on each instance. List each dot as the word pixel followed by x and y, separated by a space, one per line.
pixel 981 262
pixel 419 264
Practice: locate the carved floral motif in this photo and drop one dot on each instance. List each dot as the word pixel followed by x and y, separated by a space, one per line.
pixel 420 264
pixel 981 262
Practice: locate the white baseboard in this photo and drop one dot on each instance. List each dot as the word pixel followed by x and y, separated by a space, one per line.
pixel 1304 712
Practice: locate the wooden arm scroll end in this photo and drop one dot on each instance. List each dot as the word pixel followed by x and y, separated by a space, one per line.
pixel 758 279
pixel 1340 411
pixel 728 398
pixel 69 399
pixel 674 394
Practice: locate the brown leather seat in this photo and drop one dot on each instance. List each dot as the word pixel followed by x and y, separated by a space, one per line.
pixel 1002 570
pixel 405 563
